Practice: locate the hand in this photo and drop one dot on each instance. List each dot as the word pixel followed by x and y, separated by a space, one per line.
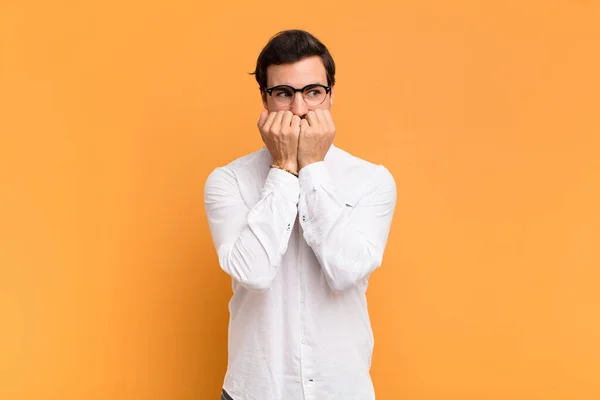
pixel 316 136
pixel 280 131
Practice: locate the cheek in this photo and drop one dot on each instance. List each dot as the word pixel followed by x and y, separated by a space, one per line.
pixel 271 106
pixel 324 106
pixel 274 108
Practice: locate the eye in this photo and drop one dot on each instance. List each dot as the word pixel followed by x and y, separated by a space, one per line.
pixel 282 93
pixel 315 91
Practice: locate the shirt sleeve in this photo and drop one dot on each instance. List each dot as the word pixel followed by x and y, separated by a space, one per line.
pixel 348 241
pixel 250 242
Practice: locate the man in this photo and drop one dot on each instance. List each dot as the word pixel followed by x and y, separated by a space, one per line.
pixel 299 226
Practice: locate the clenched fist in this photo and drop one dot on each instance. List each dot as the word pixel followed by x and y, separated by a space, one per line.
pixel 280 131
pixel 316 136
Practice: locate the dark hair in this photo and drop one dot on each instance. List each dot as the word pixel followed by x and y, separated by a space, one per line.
pixel 288 47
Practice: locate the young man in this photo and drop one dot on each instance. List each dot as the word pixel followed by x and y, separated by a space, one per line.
pixel 299 226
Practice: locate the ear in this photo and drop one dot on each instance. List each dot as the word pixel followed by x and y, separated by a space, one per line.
pixel 331 97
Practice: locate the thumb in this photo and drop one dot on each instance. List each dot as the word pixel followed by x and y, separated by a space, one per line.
pixel 263 118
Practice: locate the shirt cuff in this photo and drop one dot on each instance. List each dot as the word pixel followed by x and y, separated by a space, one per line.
pixel 313 175
pixel 280 181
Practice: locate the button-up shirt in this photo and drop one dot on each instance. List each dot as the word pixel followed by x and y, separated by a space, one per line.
pixel 299 252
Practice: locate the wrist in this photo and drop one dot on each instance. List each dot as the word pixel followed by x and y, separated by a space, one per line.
pixel 293 172
pixel 305 163
pixel 289 165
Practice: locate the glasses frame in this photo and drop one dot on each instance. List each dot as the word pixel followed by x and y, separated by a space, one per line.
pixel 327 90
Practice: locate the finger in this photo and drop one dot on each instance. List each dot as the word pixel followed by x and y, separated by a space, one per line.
pixel 276 127
pixel 269 122
pixel 329 120
pixel 304 126
pixel 263 118
pixel 320 116
pixel 296 124
pixel 312 119
pixel 286 120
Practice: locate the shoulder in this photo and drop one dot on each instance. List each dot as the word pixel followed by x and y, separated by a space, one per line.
pixel 352 168
pixel 251 160
pixel 247 168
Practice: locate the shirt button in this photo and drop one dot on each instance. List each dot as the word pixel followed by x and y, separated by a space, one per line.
pixel 302 299
pixel 289 227
pixel 304 341
pixel 304 218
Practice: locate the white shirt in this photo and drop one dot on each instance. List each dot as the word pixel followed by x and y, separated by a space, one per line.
pixel 299 252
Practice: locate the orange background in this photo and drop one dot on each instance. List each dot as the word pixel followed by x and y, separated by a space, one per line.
pixel 113 115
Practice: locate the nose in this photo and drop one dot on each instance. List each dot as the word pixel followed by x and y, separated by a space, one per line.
pixel 299 106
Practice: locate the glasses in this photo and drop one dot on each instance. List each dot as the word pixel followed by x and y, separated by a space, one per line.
pixel 313 94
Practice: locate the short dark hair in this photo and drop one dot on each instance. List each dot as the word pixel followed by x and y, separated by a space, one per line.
pixel 288 47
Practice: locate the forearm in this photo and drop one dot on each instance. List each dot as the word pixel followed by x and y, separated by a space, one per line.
pixel 348 242
pixel 250 242
pixel 345 254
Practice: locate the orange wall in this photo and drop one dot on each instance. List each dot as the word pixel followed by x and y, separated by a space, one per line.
pixel 112 115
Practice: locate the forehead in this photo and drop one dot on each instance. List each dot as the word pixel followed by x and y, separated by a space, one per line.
pixel 299 74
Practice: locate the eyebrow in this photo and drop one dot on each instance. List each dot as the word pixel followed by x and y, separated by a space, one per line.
pixel 302 87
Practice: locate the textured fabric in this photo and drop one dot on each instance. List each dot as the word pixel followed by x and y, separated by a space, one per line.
pixel 300 252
